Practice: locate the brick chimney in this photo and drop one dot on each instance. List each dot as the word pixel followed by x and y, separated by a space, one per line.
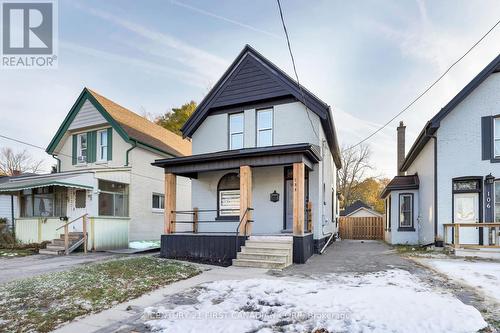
pixel 401 147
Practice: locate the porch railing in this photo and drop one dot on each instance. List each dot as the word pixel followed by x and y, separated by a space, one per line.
pixel 492 233
pixel 195 221
pixel 66 233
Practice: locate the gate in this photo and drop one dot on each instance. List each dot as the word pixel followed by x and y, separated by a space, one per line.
pixel 361 228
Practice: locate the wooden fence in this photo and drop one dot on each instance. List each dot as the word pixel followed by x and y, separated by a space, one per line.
pixel 361 228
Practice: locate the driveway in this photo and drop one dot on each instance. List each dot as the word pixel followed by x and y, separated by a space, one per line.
pixel 24 267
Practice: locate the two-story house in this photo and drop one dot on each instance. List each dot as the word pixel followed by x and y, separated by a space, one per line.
pixel 448 187
pixel 104 155
pixel 265 155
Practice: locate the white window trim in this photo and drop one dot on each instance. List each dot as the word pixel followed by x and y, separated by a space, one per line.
pixel 158 210
pixel 98 144
pixel 79 148
pixel 242 114
pixel 495 138
pixel 495 183
pixel 264 129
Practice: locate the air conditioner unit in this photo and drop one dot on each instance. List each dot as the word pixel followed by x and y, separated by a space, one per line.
pixel 82 159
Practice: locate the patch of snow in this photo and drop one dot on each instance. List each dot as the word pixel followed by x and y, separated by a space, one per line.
pixel 393 300
pixel 139 245
pixel 481 275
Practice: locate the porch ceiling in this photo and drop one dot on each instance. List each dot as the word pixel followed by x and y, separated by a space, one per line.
pixel 307 153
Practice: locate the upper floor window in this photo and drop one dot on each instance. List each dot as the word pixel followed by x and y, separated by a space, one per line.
pixel 102 145
pixel 496 137
pixel 236 130
pixel 82 148
pixel 264 127
pixel 406 210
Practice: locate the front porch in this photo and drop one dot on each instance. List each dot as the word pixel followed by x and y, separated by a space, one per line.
pixel 241 194
pixel 473 239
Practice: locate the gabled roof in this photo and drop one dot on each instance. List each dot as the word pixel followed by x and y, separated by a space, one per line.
pixel 253 78
pixel 356 205
pixel 432 125
pixel 131 127
pixel 399 183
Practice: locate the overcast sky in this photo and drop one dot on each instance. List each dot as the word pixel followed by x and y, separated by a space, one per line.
pixel 367 59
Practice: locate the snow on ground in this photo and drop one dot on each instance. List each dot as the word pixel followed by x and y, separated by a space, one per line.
pixel 481 275
pixel 393 300
pixel 139 245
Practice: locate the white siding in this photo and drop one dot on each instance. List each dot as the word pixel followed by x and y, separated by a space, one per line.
pixel 87 116
pixel 424 167
pixel 363 212
pixel 5 207
pixel 396 236
pixel 459 143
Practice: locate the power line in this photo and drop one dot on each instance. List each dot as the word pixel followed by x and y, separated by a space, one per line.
pixel 427 89
pixel 295 69
pixel 62 154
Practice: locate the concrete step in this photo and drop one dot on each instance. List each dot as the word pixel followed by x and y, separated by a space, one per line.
pixel 71 235
pixel 283 258
pixel 272 239
pixel 265 250
pixel 51 247
pixel 50 252
pixel 268 244
pixel 269 264
pixel 60 242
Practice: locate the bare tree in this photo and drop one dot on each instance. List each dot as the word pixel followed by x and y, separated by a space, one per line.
pixel 355 164
pixel 12 163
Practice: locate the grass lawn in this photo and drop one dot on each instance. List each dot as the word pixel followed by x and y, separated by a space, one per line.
pixel 8 253
pixel 42 303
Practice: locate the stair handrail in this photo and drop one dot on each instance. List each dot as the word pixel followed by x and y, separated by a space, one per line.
pixel 66 233
pixel 239 225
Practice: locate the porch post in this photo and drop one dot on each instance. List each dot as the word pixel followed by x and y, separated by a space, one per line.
pixel 298 198
pixel 170 202
pixel 245 199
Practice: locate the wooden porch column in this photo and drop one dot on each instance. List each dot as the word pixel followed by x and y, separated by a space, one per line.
pixel 298 198
pixel 245 199
pixel 170 203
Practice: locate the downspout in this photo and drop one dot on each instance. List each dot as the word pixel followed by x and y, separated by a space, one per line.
pixel 58 163
pixel 435 189
pixel 128 151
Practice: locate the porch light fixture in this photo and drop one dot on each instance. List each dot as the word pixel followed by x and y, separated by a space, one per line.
pixel 274 197
pixel 489 179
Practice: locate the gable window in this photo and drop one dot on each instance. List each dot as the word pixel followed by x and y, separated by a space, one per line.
pixel 158 201
pixel 264 127
pixel 82 148
pixel 113 199
pixel 236 131
pixel 228 194
pixel 496 137
pixel 102 145
pixel 406 211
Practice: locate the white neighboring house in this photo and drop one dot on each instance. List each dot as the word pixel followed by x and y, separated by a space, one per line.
pixel 359 209
pixel 104 154
pixel 8 205
pixel 452 172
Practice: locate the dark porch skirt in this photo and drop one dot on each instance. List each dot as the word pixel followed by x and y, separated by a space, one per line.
pixel 210 249
pixel 303 248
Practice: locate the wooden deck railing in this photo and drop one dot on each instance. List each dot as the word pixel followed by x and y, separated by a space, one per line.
pixel 66 233
pixel 493 233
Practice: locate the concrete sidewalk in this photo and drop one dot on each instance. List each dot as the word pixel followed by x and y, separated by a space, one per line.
pixel 124 316
pixel 25 267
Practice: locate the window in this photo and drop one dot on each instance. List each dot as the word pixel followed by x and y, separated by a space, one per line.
pixel 102 145
pixel 80 197
pixel 228 194
pixel 466 185
pixel 47 201
pixel 264 127
pixel 236 131
pixel 82 148
pixel 406 211
pixel 497 201
pixel 113 199
pixel 158 201
pixel 496 137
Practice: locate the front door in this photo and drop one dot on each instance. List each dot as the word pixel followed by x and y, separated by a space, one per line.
pixel 466 210
pixel 288 202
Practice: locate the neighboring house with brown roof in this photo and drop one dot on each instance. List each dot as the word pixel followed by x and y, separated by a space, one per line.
pixel 104 154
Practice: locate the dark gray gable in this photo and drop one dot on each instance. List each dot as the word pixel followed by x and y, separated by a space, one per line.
pixel 252 78
pixel 250 82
